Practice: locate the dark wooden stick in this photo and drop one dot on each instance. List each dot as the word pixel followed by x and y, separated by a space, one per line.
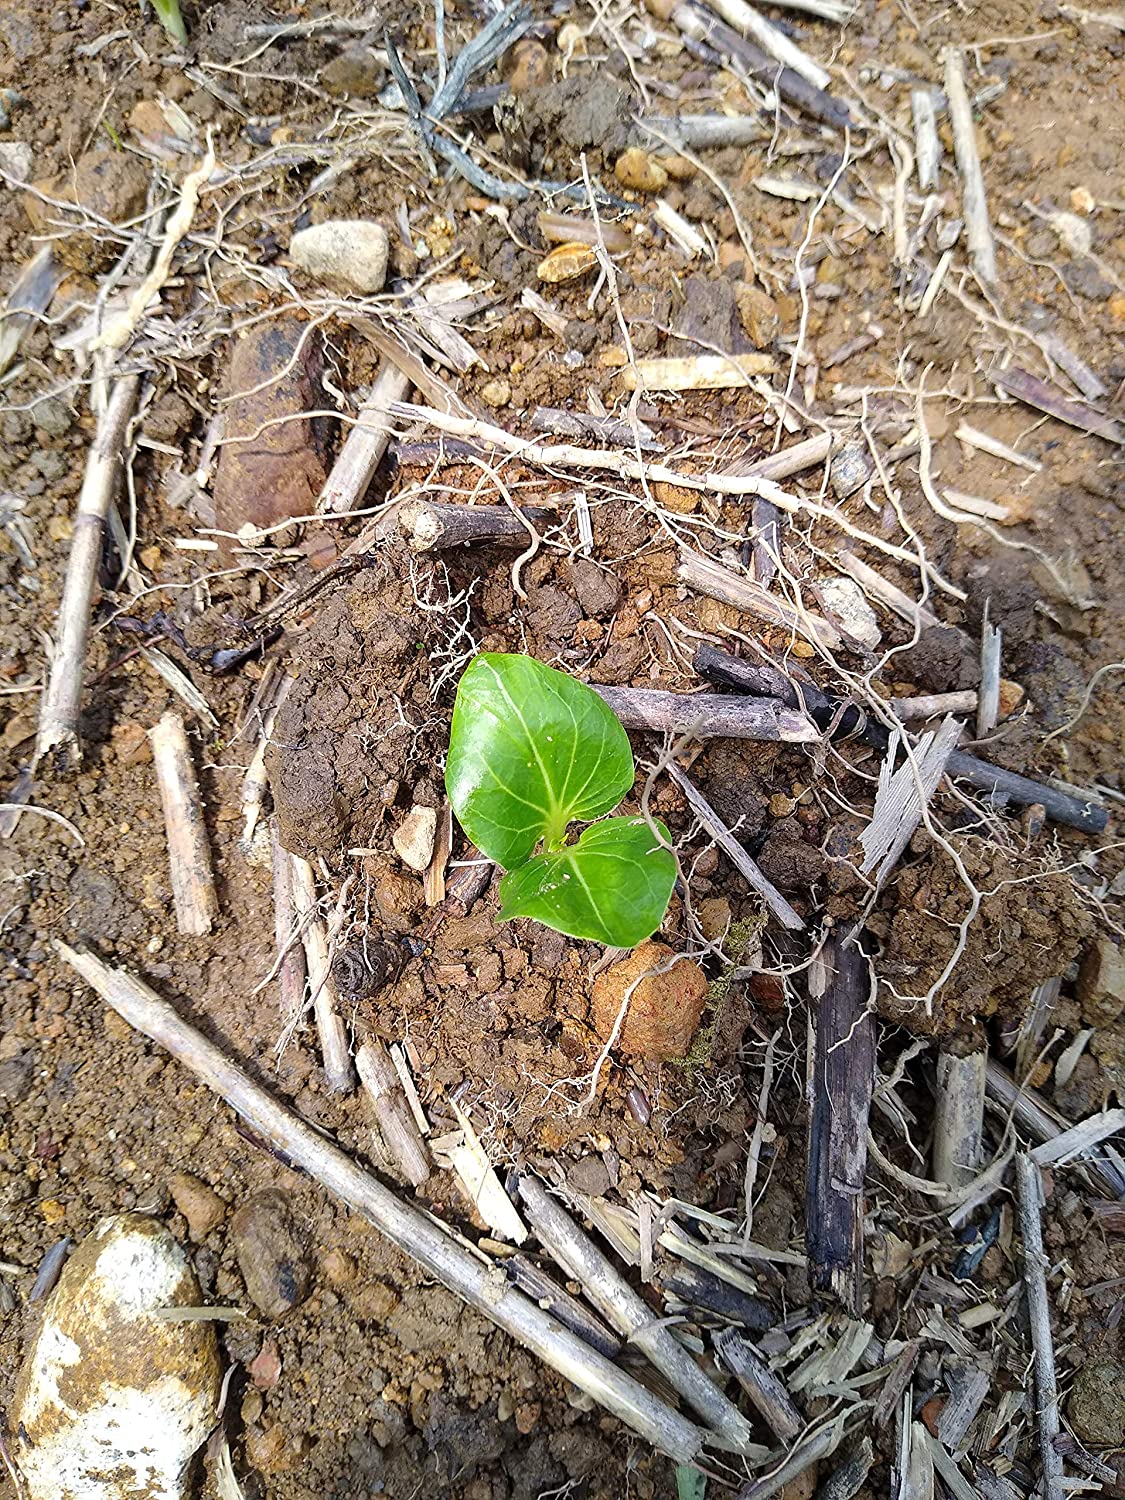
pixel 554 1299
pixel 720 666
pixel 431 526
pixel 708 716
pixel 841 1079
pixel 705 1291
pixel 759 1382
pixel 1023 387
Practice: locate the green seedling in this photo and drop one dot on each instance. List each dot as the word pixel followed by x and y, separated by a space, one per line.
pixel 168 14
pixel 532 751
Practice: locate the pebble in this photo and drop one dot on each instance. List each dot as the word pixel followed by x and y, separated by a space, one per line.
pixel 271 1252
pixel 781 806
pixel 1097 1403
pixel 496 392
pixel 110 184
pixel 758 314
pixel 355 71
pixel 664 1009
pixel 110 1402
pixel 677 498
pixel 265 1368
pixel 531 69
pixel 1101 983
pixel 637 170
pixel 200 1205
pixel 348 253
pixel 850 470
pixel 848 604
pixel 414 838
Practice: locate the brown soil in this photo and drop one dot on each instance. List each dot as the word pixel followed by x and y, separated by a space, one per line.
pixel 387 1385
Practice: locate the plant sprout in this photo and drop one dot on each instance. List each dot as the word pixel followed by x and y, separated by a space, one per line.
pixel 168 14
pixel 531 751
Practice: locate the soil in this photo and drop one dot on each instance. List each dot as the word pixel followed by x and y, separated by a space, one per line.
pixel 374 1380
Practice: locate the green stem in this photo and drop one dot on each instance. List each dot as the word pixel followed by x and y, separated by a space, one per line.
pixel 168 14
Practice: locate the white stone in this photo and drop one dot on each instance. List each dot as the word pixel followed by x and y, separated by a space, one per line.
pixel 348 253
pixel 414 838
pixel 111 1402
pixel 849 605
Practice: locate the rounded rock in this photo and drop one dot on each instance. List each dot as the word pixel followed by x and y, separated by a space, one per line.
pixel 111 1401
pixel 637 170
pixel 347 253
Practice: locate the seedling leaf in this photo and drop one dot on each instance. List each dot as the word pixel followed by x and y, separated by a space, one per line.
pixel 611 887
pixel 531 750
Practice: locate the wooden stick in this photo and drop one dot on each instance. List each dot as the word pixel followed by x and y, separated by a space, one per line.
pixel 1033 392
pixel 927 146
pixel 189 855
pixel 545 1291
pixel 365 443
pixel 1043 1123
pixel 974 204
pixel 1076 370
pixel 422 1238
pixel 789 461
pixel 801 1457
pixel 764 1388
pixel 886 592
pixel 61 707
pixel 721 666
pixel 397 1125
pixel 988 704
pixel 959 1119
pixel 1039 1315
pixel 705 131
pixel 709 577
pixel 926 705
pixel 841 1079
pixel 1080 1139
pixel 615 1299
pixel 433 527
pixel 750 23
pixel 708 716
pixel 735 852
pixel 290 961
pixel 338 1070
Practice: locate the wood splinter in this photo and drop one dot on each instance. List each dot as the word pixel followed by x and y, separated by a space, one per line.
pixel 397 1125
pixel 189 855
pixel 708 715
pixel 338 1069
pixel 430 526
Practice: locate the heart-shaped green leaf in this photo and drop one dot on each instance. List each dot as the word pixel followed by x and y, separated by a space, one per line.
pixel 530 751
pixel 612 886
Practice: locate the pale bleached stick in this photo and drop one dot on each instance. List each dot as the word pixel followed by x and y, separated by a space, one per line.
pixel 789 461
pixel 988 704
pixel 625 1310
pixel 927 146
pixel 120 331
pixel 708 716
pixel 61 707
pixel 887 593
pixel 189 855
pixel 1079 1139
pixel 735 852
pixel 397 1125
pixel 706 576
pixel 959 1118
pixel 330 1029
pixel 423 1239
pixel 365 443
pixel 751 23
pixel 978 226
pixel 1030 1188
pixel 701 372
pixel 986 443
pixel 1043 1124
pixel 290 960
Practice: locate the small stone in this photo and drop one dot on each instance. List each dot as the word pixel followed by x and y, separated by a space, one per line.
pixel 414 838
pixel 637 170
pixel 16 159
pixel 531 69
pixel 1101 983
pixel 664 1009
pixel 200 1205
pixel 782 806
pixel 1116 306
pixel 677 498
pixel 375 1302
pixel 1097 1403
pixel 850 470
pixel 265 1368
pixel 112 1402
pixel 758 314
pixel 850 609
pixel 354 72
pixel 802 649
pixel 589 1176
pixel 1085 278
pixel 599 592
pixel 1011 696
pixel 527 1416
pixel 271 1253
pixel 16 1076
pixel 60 529
pixel 714 918
pixel 496 392
pixel 339 1268
pixel 1082 200
pixel 348 253
pixel 52 1210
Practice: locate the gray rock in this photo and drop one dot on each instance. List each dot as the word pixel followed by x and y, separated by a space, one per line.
pixel 1097 1403
pixel 851 468
pixel 16 1074
pixel 348 253
pixel 354 72
pixel 272 1254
